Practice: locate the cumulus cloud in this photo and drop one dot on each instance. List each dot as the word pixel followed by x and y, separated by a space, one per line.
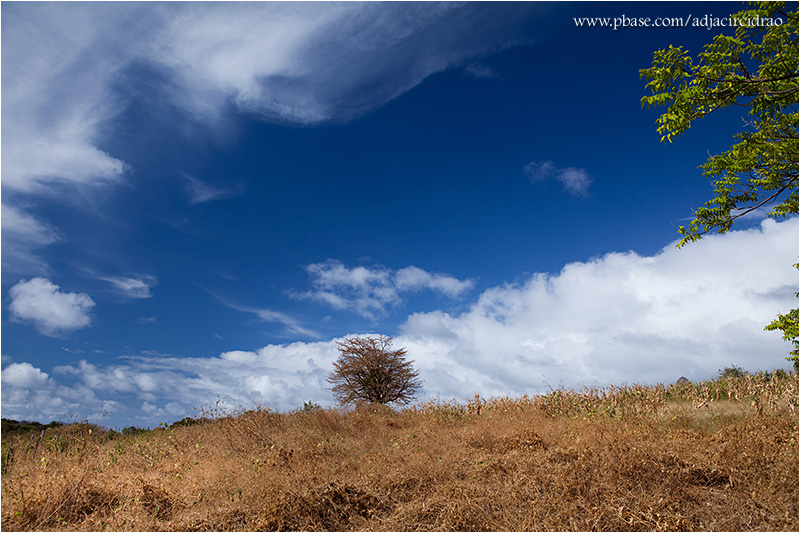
pixel 24 375
pixel 31 394
pixel 575 180
pixel 370 290
pixel 153 389
pixel 50 310
pixel 619 318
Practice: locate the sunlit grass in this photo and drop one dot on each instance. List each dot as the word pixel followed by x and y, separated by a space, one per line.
pixel 718 455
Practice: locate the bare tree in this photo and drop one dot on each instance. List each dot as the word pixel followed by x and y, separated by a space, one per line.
pixel 368 369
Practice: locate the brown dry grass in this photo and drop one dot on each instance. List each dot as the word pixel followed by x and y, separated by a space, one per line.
pixel 710 456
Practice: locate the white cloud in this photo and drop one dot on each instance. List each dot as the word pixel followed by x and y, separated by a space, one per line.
pixel 413 278
pixel 479 70
pixel 308 63
pixel 575 180
pixel 332 274
pixel 66 66
pixel 58 67
pixel 291 325
pixel 133 287
pixel 619 318
pixel 147 391
pixel 42 303
pixel 369 291
pixel 539 171
pixel 285 61
pixel 23 375
pixel 30 394
pixel 201 192
pixel 276 376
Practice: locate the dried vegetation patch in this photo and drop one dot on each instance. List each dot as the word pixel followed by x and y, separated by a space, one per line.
pixel 623 458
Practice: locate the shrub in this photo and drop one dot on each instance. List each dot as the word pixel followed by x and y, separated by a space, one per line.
pixel 369 370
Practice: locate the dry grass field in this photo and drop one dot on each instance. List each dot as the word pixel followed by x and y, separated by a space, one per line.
pixel 718 455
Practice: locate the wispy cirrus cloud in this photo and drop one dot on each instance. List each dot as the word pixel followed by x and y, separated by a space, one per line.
pixel 132 286
pixel 59 63
pixel 308 63
pixel 200 192
pixel 368 291
pixel 575 180
pixel 479 70
pixel 23 235
pixel 68 67
pixel 59 67
pixel 291 325
pixel 295 62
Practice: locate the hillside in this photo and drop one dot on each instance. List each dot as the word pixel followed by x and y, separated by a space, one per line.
pixel 719 455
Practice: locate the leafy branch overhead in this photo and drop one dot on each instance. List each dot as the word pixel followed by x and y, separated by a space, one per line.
pixel 755 69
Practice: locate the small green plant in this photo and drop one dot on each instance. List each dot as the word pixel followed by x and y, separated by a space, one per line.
pixel 310 407
pixel 732 371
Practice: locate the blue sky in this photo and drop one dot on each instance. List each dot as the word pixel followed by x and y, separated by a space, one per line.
pixel 200 199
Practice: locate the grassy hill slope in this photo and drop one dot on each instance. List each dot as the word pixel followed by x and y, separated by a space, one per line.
pixel 718 455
